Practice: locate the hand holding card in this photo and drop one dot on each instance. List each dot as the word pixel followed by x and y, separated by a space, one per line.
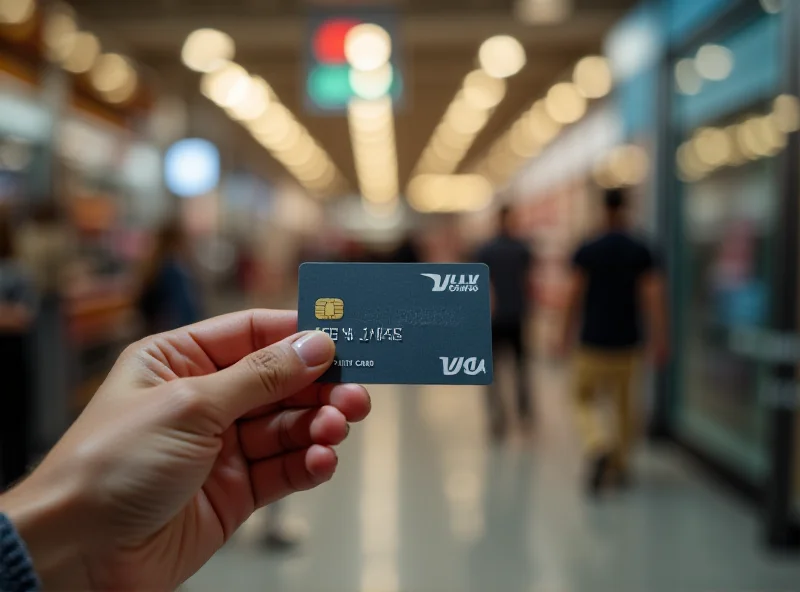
pixel 401 323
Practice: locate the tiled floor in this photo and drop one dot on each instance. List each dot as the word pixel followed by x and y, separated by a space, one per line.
pixel 423 502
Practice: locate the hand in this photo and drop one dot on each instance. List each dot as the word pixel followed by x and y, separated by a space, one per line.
pixel 190 433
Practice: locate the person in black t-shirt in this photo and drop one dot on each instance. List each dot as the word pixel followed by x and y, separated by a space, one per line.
pixel 616 284
pixel 510 262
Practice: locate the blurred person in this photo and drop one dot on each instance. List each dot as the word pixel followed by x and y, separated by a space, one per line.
pixel 615 280
pixel 510 262
pixel 16 320
pixel 48 250
pixel 169 291
pixel 191 432
pixel 407 251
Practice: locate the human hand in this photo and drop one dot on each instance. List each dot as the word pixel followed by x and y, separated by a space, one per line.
pixel 190 433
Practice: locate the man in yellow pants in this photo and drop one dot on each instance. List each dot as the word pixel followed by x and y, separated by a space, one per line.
pixel 615 281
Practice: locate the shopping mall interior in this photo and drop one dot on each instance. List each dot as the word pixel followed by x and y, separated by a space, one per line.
pixel 200 152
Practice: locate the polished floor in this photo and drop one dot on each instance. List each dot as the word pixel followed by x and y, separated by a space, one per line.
pixel 423 502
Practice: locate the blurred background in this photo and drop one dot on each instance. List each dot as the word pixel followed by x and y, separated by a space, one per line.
pixel 162 161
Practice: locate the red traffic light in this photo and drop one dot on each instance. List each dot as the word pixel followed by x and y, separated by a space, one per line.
pixel 329 40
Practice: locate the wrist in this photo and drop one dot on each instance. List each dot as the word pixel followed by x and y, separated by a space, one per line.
pixel 47 516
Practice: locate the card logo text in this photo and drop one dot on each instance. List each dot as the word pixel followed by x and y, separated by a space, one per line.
pixel 453 282
pixel 470 366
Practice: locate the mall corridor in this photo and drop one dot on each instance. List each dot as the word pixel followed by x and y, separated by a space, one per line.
pixel 423 502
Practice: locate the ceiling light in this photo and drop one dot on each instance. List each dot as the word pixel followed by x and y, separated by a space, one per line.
pixel 542 128
pixel 772 6
pixel 227 85
pixel 592 76
pixel 786 111
pixel 483 91
pixel 629 164
pixel 252 104
pixel 714 62
pixel 713 146
pixel 124 93
pixel 372 84
pixel 687 79
pixel 84 53
pixel 206 50
pixel 565 104
pixel 449 193
pixel 465 118
pixel 59 32
pixel 16 12
pixel 111 72
pixel 367 47
pixel 501 56
pixel 535 12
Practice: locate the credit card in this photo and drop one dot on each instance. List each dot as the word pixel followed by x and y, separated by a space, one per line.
pixel 401 323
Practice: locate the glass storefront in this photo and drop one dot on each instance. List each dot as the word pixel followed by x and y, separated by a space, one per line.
pixel 729 131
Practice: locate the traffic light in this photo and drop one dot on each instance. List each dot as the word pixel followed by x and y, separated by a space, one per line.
pixel 352 55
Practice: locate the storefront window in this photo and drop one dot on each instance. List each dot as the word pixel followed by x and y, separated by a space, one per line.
pixel 730 129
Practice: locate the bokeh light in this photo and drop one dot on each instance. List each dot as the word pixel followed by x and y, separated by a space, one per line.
pixel 502 56
pixel 206 50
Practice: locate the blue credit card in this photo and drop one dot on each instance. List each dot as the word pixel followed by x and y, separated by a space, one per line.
pixel 401 323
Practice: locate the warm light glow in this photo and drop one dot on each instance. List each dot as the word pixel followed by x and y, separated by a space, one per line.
pixel 252 104
pixel 592 77
pixel 464 118
pixel 786 111
pixel 542 127
pixel 124 93
pixel 206 50
pixel 565 104
pixel 713 146
pixel 628 165
pixel 502 56
pixel 59 33
pixel 687 79
pixel 482 91
pixel 227 85
pixel 449 193
pixel 84 53
pixel 367 47
pixel 16 12
pixel 521 142
pixel 714 62
pixel 372 84
pixel 111 72
pixel 374 151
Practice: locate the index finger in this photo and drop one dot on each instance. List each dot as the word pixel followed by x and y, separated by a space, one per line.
pixel 229 338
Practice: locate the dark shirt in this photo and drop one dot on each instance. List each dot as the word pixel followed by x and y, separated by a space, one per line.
pixel 172 300
pixel 613 265
pixel 509 262
pixel 16 568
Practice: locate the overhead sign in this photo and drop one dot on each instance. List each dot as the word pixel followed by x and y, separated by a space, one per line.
pixel 351 54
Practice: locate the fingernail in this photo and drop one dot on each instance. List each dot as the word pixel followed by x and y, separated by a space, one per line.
pixel 314 349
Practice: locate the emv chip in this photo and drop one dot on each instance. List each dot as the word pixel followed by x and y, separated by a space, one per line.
pixel 329 309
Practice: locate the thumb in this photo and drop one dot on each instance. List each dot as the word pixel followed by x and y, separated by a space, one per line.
pixel 265 376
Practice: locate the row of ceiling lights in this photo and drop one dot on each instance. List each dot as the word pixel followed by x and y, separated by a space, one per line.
pixel 483 89
pixel 565 103
pixel 374 151
pixel 711 63
pixel 756 137
pixel 112 76
pixel 251 101
pixel 368 49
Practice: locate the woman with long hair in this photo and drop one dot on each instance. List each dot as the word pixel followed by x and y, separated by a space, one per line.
pixel 16 318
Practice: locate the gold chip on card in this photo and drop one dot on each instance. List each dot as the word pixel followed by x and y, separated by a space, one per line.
pixel 329 309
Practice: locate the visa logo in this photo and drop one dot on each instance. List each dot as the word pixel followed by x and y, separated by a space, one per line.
pixel 470 366
pixel 453 282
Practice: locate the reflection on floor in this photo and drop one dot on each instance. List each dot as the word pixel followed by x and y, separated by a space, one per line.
pixel 423 502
